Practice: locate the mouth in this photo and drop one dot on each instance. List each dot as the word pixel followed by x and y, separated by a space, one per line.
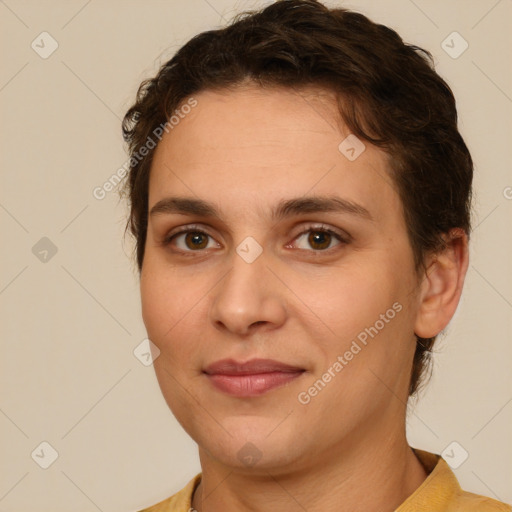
pixel 252 378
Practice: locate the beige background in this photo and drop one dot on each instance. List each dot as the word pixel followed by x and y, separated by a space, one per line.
pixel 69 325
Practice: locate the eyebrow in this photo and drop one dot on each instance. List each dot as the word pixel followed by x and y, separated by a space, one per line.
pixel 283 209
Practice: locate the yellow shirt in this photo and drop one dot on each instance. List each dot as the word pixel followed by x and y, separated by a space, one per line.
pixel 440 492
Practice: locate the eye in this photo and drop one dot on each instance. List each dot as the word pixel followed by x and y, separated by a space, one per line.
pixel 190 240
pixel 319 239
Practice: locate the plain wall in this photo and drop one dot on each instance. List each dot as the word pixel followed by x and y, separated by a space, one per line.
pixel 70 324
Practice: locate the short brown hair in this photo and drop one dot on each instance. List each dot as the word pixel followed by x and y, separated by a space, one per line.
pixel 388 94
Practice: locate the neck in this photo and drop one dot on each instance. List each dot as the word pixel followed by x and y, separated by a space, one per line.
pixel 377 478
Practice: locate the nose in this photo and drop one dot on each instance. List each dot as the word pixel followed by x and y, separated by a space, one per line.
pixel 248 299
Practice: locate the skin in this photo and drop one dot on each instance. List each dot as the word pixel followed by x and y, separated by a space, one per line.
pixel 346 449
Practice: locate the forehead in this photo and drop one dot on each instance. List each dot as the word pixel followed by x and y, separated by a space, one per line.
pixel 271 119
pixel 259 144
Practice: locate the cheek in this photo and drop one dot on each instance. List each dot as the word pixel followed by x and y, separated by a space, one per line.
pixel 173 308
pixel 365 312
pixel 152 303
pixel 347 299
pixel 162 304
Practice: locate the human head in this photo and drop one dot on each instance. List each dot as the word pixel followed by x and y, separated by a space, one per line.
pixel 388 94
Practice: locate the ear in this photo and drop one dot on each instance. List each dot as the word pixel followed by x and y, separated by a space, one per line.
pixel 442 285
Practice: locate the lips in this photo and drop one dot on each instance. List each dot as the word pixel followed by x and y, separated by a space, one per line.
pixel 250 378
pixel 254 366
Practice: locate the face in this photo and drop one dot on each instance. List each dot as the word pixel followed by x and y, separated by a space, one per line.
pixel 268 241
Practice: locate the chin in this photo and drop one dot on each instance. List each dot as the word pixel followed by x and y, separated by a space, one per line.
pixel 253 443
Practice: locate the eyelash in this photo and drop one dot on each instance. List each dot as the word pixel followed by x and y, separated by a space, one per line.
pixel 343 239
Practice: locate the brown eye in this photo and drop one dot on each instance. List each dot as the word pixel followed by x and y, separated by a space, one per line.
pixel 196 240
pixel 190 241
pixel 319 239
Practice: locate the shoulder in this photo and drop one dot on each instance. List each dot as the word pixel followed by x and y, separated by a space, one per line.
pixel 441 492
pixel 469 502
pixel 179 502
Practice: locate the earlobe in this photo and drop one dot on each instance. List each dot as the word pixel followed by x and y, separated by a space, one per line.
pixel 442 284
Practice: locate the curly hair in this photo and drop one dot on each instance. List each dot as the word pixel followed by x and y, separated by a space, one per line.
pixel 388 93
